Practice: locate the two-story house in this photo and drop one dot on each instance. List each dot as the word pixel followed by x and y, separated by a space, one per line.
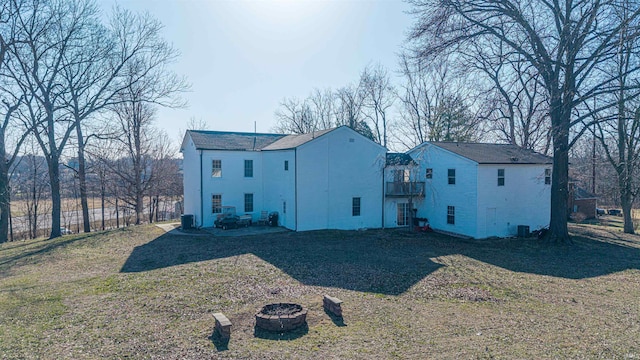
pixel 338 179
pixel 329 179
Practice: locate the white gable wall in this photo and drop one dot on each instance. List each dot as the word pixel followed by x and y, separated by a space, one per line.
pixel 439 194
pixel 523 200
pixel 191 183
pixel 279 186
pixel 232 185
pixel 331 171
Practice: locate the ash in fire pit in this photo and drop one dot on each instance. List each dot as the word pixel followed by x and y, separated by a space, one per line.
pixel 281 317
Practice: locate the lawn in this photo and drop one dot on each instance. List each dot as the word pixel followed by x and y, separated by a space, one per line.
pixel 141 293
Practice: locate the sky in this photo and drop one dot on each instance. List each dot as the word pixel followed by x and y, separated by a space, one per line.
pixel 242 58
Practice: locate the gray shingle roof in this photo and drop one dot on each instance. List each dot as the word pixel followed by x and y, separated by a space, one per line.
pixel 293 141
pixel 494 153
pixel 222 140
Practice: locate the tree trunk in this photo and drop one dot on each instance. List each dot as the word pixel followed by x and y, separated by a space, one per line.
pixel 5 195
pixel 558 230
pixel 54 179
pixel 627 204
pixel 82 179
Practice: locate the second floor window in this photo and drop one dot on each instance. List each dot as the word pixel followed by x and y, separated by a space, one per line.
pixel 248 168
pixel 500 177
pixel 286 165
pixel 451 174
pixel 429 174
pixel 216 168
pixel 547 176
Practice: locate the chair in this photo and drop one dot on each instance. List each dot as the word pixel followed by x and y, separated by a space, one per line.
pixel 264 218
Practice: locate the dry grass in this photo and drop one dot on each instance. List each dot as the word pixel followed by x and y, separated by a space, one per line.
pixel 139 293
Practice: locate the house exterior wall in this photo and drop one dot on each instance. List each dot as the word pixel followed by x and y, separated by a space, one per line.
pixel 191 182
pixel 524 199
pixel 279 186
pixel 331 171
pixel 232 185
pixel 439 194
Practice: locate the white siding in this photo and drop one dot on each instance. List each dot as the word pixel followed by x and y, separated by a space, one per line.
pixel 191 182
pixel 332 170
pixel 523 200
pixel 232 185
pixel 439 194
pixel 279 185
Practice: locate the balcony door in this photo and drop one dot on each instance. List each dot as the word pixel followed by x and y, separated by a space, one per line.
pixel 403 214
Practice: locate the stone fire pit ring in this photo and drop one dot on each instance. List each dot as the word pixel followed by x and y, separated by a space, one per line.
pixel 281 317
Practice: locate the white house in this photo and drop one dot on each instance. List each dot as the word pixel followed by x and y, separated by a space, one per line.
pixel 338 179
pixel 482 190
pixel 330 179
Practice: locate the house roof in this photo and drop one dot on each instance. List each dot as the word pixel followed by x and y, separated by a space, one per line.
pixel 222 140
pixel 494 153
pixel 398 159
pixel 582 194
pixel 295 140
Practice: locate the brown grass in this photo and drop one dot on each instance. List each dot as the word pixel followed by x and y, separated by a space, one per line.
pixel 139 293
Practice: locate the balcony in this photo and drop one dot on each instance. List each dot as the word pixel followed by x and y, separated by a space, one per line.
pixel 405 188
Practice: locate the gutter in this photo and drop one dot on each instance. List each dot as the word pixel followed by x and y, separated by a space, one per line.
pixel 295 185
pixel 201 193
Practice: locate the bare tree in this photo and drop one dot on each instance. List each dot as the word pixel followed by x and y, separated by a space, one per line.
pixel 294 116
pixel 433 105
pixel 564 42
pixel 378 99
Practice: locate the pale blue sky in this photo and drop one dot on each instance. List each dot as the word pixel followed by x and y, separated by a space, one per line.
pixel 243 57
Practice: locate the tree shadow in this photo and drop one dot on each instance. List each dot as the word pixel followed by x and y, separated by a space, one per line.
pixel 390 261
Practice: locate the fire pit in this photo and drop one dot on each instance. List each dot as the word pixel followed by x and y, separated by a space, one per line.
pixel 281 317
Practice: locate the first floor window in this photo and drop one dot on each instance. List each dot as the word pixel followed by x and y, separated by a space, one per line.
pixel 547 176
pixel 403 214
pixel 216 168
pixel 248 202
pixel 500 177
pixel 284 207
pixel 355 206
pixel 451 215
pixel 451 173
pixel 248 168
pixel 216 203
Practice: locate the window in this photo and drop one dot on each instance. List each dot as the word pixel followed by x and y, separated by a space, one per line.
pixel 216 168
pixel 452 176
pixel 248 202
pixel 429 174
pixel 451 215
pixel 500 177
pixel 284 207
pixel 248 168
pixel 216 203
pixel 403 214
pixel 547 176
pixel 355 206
pixel 286 165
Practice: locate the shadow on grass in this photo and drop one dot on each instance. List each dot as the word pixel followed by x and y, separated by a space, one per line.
pixel 288 335
pixel 221 343
pixel 389 261
pixel 39 248
pixel 337 320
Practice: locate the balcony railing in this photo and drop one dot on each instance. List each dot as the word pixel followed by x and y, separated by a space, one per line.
pixel 405 188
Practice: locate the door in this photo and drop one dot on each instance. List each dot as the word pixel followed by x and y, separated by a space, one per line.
pixel 403 214
pixel 491 225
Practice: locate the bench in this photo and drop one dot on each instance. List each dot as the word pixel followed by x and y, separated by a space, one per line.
pixel 223 325
pixel 332 305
